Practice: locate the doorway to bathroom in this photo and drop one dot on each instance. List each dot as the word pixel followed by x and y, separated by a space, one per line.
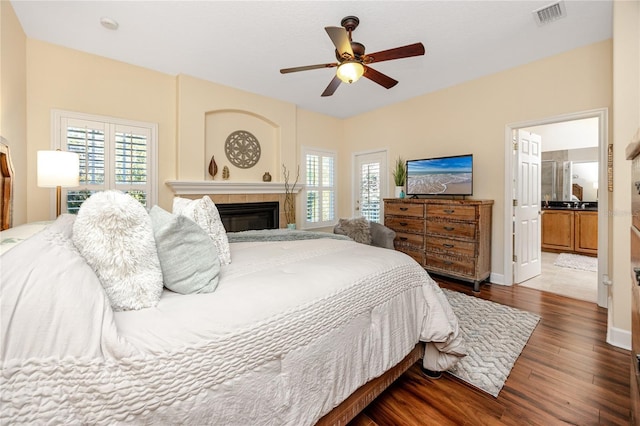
pixel 571 248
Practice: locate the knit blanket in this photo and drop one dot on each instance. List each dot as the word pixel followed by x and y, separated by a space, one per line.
pixel 280 235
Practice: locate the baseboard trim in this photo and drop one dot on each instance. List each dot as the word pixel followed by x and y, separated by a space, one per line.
pixel 496 278
pixel 619 338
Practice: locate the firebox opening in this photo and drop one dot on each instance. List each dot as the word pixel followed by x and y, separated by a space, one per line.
pixel 238 217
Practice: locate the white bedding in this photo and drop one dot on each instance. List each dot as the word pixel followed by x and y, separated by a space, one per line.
pixel 293 328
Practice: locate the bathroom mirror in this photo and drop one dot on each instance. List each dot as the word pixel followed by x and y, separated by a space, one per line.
pixel 564 180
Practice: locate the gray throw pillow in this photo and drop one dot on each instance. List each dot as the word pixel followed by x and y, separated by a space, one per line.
pixel 188 257
pixel 357 229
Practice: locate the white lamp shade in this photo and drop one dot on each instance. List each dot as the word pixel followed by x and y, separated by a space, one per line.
pixel 58 168
pixel 350 72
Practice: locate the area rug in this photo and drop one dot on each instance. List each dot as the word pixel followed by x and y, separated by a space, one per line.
pixel 576 261
pixel 494 334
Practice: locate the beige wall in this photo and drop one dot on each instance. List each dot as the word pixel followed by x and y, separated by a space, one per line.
pixel 13 103
pixel 626 121
pixel 471 118
pixel 198 99
pixel 94 85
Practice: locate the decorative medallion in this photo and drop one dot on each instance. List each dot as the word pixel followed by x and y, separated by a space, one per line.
pixel 242 149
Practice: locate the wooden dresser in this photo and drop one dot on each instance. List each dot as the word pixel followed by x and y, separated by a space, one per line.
pixel 633 154
pixel 447 237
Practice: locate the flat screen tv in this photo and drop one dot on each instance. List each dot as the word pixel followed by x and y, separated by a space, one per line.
pixel 440 176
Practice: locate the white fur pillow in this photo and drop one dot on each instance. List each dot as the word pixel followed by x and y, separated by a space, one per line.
pixel 205 213
pixel 113 233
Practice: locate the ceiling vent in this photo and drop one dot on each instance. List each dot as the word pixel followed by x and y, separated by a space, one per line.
pixel 546 15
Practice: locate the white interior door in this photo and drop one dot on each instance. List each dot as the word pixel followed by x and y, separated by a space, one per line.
pixel 527 227
pixel 370 185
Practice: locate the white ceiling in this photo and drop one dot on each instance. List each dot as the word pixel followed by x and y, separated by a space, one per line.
pixel 243 44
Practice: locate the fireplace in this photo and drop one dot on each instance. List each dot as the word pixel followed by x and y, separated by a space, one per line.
pixel 246 216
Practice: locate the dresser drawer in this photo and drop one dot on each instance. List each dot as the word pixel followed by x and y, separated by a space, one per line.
pixel 451 211
pixel 415 240
pixel 452 229
pixel 404 209
pixel 449 246
pixel 451 264
pixel 401 224
pixel 417 255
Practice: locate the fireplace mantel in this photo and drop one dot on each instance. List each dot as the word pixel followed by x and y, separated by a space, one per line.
pixel 197 187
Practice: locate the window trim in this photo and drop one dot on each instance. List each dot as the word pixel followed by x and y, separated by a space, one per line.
pixel 304 191
pixel 57 142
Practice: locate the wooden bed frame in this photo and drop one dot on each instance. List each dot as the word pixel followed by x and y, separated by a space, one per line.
pixel 340 415
pixel 6 187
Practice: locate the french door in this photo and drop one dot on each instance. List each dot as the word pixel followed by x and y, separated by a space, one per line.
pixel 370 185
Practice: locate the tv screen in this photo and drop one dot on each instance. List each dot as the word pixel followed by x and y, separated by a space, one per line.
pixel 440 176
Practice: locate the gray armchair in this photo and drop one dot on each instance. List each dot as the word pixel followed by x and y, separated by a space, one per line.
pixel 380 235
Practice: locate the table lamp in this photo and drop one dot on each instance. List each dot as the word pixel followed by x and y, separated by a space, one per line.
pixel 57 169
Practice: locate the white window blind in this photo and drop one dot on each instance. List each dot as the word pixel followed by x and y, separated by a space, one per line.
pixel 319 191
pixel 114 154
pixel 370 199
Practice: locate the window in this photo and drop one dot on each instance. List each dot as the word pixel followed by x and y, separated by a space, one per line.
pixel 114 154
pixel 319 191
pixel 370 199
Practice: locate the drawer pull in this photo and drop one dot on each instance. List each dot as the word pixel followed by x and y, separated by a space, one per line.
pixel 403 223
pixel 637 272
pixel 448 245
pixel 403 238
pixel 449 228
pixel 404 209
pixel 450 211
pixel 448 262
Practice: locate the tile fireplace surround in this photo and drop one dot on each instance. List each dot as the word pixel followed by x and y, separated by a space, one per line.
pixel 224 192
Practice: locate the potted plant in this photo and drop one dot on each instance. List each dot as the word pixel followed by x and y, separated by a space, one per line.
pixel 289 197
pixel 400 177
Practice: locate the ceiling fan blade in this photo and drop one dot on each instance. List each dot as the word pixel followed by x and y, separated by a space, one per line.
pixel 308 67
pixel 340 39
pixel 331 88
pixel 382 79
pixel 407 51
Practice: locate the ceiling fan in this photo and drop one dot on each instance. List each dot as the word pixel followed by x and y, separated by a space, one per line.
pixel 353 63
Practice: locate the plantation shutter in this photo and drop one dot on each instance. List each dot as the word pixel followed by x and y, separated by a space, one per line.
pixel 112 155
pixel 319 189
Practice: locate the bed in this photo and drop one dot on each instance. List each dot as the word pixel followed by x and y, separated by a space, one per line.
pixel 297 332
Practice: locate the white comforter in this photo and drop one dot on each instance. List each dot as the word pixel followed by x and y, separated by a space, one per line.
pixel 293 328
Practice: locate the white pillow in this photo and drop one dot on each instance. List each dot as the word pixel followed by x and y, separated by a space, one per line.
pixel 52 304
pixel 188 257
pixel 205 213
pixel 113 233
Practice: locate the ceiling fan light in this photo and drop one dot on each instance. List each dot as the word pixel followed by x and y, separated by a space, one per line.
pixel 350 72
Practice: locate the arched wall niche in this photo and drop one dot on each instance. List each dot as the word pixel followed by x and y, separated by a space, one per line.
pixel 219 124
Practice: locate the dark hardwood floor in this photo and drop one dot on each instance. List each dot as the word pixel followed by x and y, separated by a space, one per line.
pixel 566 374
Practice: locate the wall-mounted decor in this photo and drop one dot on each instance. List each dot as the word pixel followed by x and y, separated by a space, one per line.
pixel 242 149
pixel 213 167
pixel 610 167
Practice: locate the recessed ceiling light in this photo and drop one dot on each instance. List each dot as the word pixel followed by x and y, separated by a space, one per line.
pixel 109 23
